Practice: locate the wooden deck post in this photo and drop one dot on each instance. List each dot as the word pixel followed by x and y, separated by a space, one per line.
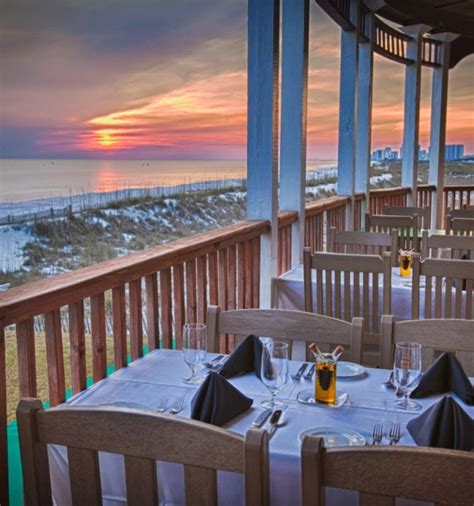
pixel 365 76
pixel 411 118
pixel 294 93
pixel 439 105
pixel 262 125
pixel 347 112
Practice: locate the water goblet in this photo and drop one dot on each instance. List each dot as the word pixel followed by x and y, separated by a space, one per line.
pixel 274 371
pixel 407 373
pixel 194 349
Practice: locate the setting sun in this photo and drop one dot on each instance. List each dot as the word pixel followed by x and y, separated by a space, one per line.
pixel 105 138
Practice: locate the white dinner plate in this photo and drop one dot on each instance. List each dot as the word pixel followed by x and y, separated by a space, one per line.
pixel 334 437
pixel 349 370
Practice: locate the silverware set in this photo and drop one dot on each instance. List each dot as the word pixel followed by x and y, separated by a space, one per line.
pixel 301 372
pixel 174 409
pixel 215 364
pixel 276 420
pixel 394 434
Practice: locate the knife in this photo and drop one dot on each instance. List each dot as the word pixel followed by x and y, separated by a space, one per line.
pixel 309 374
pixel 274 422
pixel 260 420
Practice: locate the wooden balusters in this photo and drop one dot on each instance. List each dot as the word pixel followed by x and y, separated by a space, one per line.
pixel 55 357
pixel 152 313
pixel 201 287
pixel 99 343
pixel 178 304
pixel 256 272
pixel 249 283
pixel 25 335
pixel 119 324
pixel 77 347
pixel 190 268
pixel 240 275
pixel 165 308
pixel 222 295
pixel 136 324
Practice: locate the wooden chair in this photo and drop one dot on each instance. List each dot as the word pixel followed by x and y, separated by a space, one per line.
pixel 285 324
pixel 422 213
pixel 345 277
pixel 448 276
pixel 436 335
pixel 458 245
pixel 460 226
pixel 382 473
pixel 365 243
pixel 407 227
pixel 143 438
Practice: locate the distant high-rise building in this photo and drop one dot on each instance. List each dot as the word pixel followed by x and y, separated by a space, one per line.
pixel 454 151
pixel 381 155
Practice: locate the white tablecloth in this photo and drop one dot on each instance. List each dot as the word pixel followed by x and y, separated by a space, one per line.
pixel 288 293
pixel 159 374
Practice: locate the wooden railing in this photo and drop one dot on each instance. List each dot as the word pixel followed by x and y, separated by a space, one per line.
pixel 457 196
pixel 424 194
pixel 173 282
pixel 285 221
pixel 387 196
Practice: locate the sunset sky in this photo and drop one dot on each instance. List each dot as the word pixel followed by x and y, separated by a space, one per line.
pixel 167 79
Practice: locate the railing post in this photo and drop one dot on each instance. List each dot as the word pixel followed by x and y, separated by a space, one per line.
pixel 411 119
pixel 364 116
pixel 347 111
pixel 262 129
pixel 439 103
pixel 294 91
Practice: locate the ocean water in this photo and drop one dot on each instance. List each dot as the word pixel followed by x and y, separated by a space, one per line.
pixel 37 179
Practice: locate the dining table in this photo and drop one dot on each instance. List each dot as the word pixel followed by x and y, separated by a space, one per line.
pixel 145 382
pixel 288 293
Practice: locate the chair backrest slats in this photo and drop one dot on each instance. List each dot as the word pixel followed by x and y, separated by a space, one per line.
pixel 387 472
pixel 406 226
pixel 288 325
pixel 201 485
pixel 364 243
pixel 438 335
pixel 143 438
pixel 423 214
pixel 448 276
pixel 458 245
pixel 461 226
pixel 347 286
pixel 84 475
pixel 143 472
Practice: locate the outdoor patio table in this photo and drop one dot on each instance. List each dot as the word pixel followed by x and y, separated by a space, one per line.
pixel 288 293
pixel 147 380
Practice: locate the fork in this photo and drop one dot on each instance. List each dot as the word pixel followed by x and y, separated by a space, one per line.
pixel 394 434
pixel 300 372
pixel 178 406
pixel 163 406
pixel 377 433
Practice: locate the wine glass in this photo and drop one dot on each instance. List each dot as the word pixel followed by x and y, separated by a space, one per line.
pixel 274 371
pixel 407 373
pixel 194 349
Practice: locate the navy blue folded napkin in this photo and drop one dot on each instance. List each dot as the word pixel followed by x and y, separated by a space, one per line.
pixel 247 357
pixel 443 425
pixel 445 375
pixel 217 401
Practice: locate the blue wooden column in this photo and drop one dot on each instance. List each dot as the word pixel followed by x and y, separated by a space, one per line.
pixel 439 105
pixel 365 77
pixel 294 93
pixel 347 111
pixel 411 119
pixel 262 131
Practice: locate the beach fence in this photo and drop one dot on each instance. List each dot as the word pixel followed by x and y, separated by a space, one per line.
pixel 61 206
